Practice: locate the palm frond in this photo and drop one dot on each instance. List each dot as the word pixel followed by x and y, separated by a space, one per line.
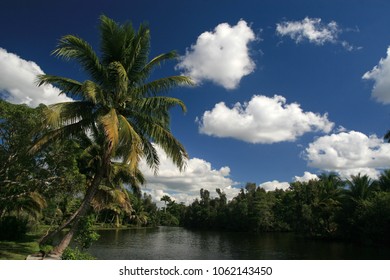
pixel 73 47
pixel 32 203
pixel 67 131
pixel 130 142
pixel 114 40
pixel 160 103
pixel 138 52
pixel 172 147
pixel 110 126
pixel 65 113
pixel 92 92
pixel 165 84
pixel 151 155
pixel 157 61
pixel 120 80
pixel 67 86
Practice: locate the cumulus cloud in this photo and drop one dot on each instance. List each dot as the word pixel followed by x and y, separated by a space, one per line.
pixel 185 186
pixel 312 30
pixel 262 120
pixel 221 56
pixel 349 153
pixel 307 176
pixel 273 185
pixel 380 74
pixel 18 82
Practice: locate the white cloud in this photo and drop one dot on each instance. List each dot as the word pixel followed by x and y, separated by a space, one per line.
pixel 314 31
pixel 185 186
pixel 380 74
pixel 273 185
pixel 307 176
pixel 221 56
pixel 18 82
pixel 262 120
pixel 349 153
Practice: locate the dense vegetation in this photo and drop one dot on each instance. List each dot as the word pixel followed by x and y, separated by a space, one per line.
pixel 46 188
pixel 355 210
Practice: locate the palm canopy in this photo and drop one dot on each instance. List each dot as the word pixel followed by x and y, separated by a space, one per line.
pixel 118 100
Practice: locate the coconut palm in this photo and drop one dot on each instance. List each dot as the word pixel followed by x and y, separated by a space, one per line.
pixel 360 187
pixel 384 180
pixel 118 102
pixel 166 198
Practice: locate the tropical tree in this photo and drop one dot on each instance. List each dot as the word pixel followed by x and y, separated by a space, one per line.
pixel 118 102
pixel 384 181
pixel 166 198
pixel 20 174
pixel 360 187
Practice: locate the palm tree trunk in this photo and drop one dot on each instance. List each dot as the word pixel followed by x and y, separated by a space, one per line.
pixel 59 249
pixel 50 234
pixel 91 191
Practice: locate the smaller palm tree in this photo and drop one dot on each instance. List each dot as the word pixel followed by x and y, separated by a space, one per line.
pixel 166 199
pixel 384 181
pixel 360 187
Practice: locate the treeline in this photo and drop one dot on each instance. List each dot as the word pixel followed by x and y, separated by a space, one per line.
pixel 47 189
pixel 354 210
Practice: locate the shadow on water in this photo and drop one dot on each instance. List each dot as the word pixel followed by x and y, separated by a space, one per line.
pixel 169 243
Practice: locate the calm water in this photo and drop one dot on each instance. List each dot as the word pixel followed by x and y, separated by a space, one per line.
pixel 169 243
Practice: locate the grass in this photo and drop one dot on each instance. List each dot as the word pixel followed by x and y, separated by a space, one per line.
pixel 18 250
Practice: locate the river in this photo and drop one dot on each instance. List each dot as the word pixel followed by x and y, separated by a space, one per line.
pixel 170 243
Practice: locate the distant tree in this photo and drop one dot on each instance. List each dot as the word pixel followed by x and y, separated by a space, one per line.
pixel 166 199
pixel 384 181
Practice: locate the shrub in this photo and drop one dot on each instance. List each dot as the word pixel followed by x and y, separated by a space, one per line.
pixel 76 254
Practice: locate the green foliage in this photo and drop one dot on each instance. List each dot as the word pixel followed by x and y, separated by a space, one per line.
pixel 20 173
pixel 45 249
pixel 76 254
pixel 355 210
pixel 86 234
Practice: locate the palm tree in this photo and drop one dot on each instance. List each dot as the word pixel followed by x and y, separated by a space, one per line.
pixel 384 180
pixel 118 102
pixel 166 199
pixel 114 200
pixel 328 202
pixel 360 187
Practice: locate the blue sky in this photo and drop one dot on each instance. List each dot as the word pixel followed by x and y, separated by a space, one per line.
pixel 285 90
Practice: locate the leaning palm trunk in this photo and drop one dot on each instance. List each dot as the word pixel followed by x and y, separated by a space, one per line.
pixel 85 205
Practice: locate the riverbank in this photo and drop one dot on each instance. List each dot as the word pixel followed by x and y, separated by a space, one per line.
pixel 28 246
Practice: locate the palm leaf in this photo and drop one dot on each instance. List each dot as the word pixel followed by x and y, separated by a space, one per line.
pixel 130 142
pixel 67 86
pixel 172 147
pixel 120 80
pixel 110 126
pixel 68 131
pixel 114 40
pixel 138 52
pixel 164 84
pixel 65 113
pixel 92 92
pixel 73 47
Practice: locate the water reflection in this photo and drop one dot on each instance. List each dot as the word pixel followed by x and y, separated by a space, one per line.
pixel 177 243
